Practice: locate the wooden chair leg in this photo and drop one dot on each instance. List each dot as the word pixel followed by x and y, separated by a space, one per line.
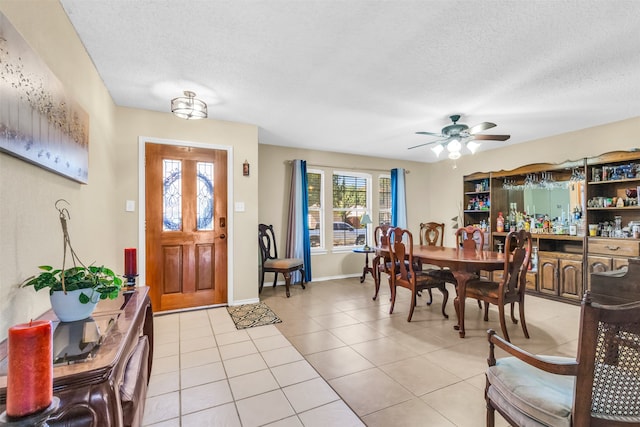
pixel 413 304
pixel 287 282
pixel 261 282
pixel 513 318
pixel 445 298
pixel 275 278
pixel 486 311
pixel 430 297
pixel 393 298
pixel 503 323
pixel 522 321
pixel 491 415
pixel 480 304
pixel 377 284
pixel 302 278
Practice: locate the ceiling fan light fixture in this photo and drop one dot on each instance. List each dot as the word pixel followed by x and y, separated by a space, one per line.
pixel 437 149
pixel 473 146
pixel 189 107
pixel 454 146
pixel 454 155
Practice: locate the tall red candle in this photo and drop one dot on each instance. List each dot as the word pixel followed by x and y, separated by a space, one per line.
pixel 30 369
pixel 130 262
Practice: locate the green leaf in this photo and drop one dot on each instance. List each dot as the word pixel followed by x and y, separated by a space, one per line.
pixel 83 298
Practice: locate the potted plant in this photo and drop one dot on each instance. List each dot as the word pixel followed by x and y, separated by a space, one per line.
pixel 75 291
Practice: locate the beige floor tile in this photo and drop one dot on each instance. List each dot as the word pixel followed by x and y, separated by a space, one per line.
pixel 412 413
pixel 447 402
pixel 383 350
pixel 419 375
pixel 203 374
pixel 262 331
pixel 315 342
pixel 299 327
pixel 421 341
pixel 205 396
pixel 464 360
pixel 163 383
pixel 294 372
pixel 338 362
pixel 199 357
pixel 165 364
pixel 232 337
pixel 287 422
pixel 335 320
pixel 195 344
pixel 173 422
pixel 237 350
pixel 271 342
pixel 201 332
pixel 165 350
pixel 357 333
pixel 161 408
pixel 244 365
pixel 332 414
pixel 281 356
pixel 251 384
pixel 370 391
pixel 310 394
pixel 223 415
pixel 166 337
pixel 264 408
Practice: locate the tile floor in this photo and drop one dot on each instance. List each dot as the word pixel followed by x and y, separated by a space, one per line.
pixel 337 359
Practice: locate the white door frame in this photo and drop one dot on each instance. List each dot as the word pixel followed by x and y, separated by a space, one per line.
pixel 142 237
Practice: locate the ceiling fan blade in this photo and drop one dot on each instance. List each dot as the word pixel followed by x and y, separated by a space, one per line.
pixel 492 137
pixel 428 143
pixel 480 127
pixel 430 133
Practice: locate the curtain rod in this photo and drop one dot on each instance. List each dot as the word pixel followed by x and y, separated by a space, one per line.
pixel 347 167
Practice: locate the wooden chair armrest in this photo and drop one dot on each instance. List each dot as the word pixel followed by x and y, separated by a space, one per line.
pixel 559 368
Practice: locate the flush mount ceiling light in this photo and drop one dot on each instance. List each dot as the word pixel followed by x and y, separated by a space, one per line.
pixel 189 107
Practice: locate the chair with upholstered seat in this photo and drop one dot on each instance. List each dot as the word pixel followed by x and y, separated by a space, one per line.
pixel 600 387
pixel 404 274
pixel 270 263
pixel 431 234
pixel 511 287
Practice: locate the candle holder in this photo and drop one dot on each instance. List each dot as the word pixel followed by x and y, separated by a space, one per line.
pixel 131 280
pixel 38 419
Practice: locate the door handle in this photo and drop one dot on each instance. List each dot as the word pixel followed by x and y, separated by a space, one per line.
pixel 222 236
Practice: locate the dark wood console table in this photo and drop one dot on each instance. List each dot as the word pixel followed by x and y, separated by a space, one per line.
pixel 101 364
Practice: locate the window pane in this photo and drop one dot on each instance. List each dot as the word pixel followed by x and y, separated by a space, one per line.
pixel 349 204
pixel 172 195
pixel 314 187
pixel 384 196
pixel 205 196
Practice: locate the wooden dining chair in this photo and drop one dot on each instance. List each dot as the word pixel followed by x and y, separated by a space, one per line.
pixel 599 388
pixel 382 260
pixel 511 288
pixel 403 273
pixel 431 234
pixel 270 263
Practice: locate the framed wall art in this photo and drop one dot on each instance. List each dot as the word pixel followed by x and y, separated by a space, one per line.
pixel 39 122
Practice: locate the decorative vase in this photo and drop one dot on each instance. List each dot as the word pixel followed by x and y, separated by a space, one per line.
pixel 68 307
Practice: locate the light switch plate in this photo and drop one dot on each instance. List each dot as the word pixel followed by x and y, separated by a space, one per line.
pixel 239 206
pixel 130 206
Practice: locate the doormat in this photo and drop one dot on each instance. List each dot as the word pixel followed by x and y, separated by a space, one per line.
pixel 252 315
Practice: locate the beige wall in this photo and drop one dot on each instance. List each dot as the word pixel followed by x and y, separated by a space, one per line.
pixel 100 228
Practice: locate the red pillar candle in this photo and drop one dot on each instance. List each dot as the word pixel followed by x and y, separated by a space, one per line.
pixel 30 368
pixel 130 262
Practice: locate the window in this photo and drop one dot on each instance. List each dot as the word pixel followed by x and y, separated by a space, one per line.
pixel 351 195
pixel 315 184
pixel 384 200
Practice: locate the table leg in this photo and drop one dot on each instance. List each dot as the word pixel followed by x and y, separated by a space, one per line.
pixel 366 267
pixel 462 277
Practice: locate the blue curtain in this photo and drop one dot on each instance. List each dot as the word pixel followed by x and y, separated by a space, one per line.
pixel 398 198
pixel 298 244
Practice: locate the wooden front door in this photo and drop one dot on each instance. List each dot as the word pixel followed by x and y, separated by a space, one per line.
pixel 186 226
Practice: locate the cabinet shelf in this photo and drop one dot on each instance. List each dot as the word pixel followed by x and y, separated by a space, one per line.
pixel 615 208
pixel 473 193
pixel 613 181
pixel 476 211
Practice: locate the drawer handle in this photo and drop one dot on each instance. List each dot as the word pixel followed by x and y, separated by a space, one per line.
pixel 612 248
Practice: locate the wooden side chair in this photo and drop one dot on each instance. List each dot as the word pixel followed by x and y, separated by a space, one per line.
pixel 431 234
pixel 381 262
pixel 600 387
pixel 403 273
pixel 511 288
pixel 270 263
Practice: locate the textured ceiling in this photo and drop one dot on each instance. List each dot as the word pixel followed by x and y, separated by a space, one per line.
pixel 362 77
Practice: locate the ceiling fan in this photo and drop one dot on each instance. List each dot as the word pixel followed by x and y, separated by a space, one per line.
pixel 454 135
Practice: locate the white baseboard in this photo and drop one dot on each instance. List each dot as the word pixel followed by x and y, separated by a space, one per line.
pixel 318 279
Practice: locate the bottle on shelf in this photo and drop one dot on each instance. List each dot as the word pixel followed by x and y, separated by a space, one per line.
pixel 500 223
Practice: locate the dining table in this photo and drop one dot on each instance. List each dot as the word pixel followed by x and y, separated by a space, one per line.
pixel 465 265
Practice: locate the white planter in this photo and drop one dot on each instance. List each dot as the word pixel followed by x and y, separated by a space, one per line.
pixel 68 307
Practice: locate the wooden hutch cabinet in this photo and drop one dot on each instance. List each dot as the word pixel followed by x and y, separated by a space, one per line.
pixel 597 190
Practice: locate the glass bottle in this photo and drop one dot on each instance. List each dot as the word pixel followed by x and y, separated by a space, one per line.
pixel 500 223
